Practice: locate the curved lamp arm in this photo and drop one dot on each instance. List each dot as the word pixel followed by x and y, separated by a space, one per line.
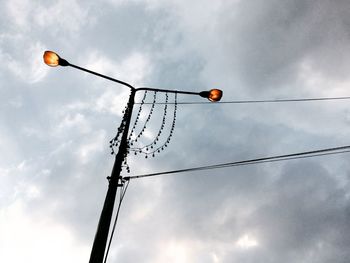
pixel 52 59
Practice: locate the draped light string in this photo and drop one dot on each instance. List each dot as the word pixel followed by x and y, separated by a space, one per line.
pixel 137 117
pixel 134 141
pixel 154 147
pixel 114 143
pixel 149 147
pixel 131 140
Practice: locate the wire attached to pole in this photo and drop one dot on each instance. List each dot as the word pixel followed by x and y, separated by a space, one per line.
pixel 258 101
pixel 301 155
pixel 122 195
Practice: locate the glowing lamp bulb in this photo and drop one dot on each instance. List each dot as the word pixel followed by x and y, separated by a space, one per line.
pixel 51 59
pixel 215 95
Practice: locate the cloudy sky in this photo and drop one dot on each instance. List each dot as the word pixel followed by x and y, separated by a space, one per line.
pixel 56 124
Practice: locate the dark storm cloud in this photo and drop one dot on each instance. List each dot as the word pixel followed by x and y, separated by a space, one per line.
pixel 278 36
pixel 305 217
pixel 263 44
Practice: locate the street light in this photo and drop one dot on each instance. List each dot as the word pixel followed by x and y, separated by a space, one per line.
pixel 53 60
pixel 116 180
pixel 213 95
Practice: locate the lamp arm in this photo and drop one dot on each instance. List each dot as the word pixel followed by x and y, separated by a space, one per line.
pixel 98 74
pixel 169 91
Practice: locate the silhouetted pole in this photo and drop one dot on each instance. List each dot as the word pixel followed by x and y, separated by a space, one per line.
pixel 115 180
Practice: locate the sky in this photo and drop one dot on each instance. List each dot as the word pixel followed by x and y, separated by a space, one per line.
pixel 56 124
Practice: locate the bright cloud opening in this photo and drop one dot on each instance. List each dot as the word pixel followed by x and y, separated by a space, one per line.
pixel 246 241
pixel 27 239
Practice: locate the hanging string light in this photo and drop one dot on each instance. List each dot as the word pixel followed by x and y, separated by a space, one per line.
pixel 155 150
pixel 154 147
pixel 137 116
pixel 138 136
pixel 114 143
pixel 145 149
pixel 116 140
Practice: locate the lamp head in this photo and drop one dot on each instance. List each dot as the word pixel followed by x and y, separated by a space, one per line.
pixel 53 60
pixel 213 95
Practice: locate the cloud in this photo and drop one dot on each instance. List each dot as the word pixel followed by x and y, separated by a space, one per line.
pixel 63 18
pixel 56 124
pixel 19 11
pixel 29 68
pixel 269 46
pixel 59 17
pixel 135 67
pixel 38 238
pixel 304 217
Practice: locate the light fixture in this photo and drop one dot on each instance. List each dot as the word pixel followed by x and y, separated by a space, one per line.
pixel 213 95
pixel 53 60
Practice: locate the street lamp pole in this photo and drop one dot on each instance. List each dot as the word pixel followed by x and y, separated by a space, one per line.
pixel 116 180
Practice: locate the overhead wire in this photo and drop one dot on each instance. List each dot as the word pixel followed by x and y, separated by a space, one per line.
pixel 122 195
pixel 300 155
pixel 278 158
pixel 255 101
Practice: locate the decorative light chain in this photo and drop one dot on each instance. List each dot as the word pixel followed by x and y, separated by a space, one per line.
pixel 152 144
pixel 116 140
pixel 152 148
pixel 138 115
pixel 132 141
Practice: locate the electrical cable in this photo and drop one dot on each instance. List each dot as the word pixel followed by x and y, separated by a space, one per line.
pixel 257 101
pixel 300 155
pixel 122 194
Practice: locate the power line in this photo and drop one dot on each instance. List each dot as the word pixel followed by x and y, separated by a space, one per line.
pixel 256 101
pixel 300 155
pixel 122 195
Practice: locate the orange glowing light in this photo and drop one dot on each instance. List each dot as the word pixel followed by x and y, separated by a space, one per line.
pixel 51 59
pixel 215 95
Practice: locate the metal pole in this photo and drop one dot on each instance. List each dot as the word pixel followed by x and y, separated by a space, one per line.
pixel 100 241
pixel 115 180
